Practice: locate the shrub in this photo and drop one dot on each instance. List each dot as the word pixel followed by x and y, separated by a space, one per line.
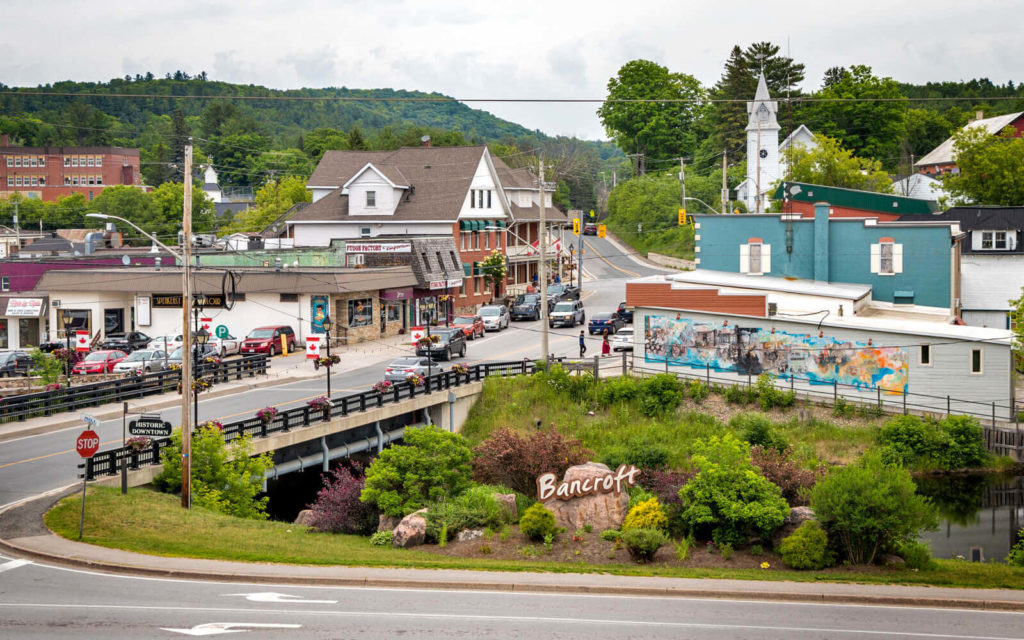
pixel 225 478
pixel 683 547
pixel 967 442
pixel 476 508
pixel 641 452
pixel 1016 557
pixel 338 509
pixel 660 394
pixel 382 538
pixel 665 485
pixel 783 472
pixel 726 550
pixel 869 507
pixel 646 515
pixel 643 544
pixel 698 391
pixel 758 429
pixel 736 394
pixel 728 498
pixel 433 464
pixel 638 494
pixel 955 442
pixel 771 396
pixel 916 554
pixel 611 535
pixel 806 548
pixel 514 460
pixel 619 389
pixel 843 409
pixel 538 522
pixel 47 367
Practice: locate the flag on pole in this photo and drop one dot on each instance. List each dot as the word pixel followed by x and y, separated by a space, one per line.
pixel 312 347
pixel 81 341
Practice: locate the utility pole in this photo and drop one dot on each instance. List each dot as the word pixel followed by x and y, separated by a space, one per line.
pixel 186 334
pixel 682 182
pixel 17 228
pixel 725 183
pixel 542 275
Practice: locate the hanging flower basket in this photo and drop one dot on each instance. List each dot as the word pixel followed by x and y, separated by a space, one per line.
pixel 266 414
pixel 415 379
pixel 138 443
pixel 382 386
pixel 427 341
pixel 212 424
pixel 460 369
pixel 199 385
pixel 326 361
pixel 320 404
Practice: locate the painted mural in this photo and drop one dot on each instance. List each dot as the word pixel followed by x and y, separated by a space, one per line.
pixel 753 350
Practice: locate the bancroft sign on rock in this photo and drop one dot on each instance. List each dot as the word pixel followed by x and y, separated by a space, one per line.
pixel 589 494
pixel 602 483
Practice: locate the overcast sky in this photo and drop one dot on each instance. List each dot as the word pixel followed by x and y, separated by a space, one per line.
pixel 524 49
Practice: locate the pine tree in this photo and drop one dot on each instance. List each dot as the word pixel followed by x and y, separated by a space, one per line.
pixel 180 136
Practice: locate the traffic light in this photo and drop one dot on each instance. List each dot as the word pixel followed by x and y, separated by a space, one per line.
pixel 682 217
pixel 591 213
pixel 600 230
pixel 576 226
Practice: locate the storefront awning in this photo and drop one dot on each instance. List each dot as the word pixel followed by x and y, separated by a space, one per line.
pixel 465 225
pixel 467 269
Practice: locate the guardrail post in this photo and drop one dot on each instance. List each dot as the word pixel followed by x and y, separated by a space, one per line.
pixel 879 390
pixel 362 402
pixel 305 416
pixel 284 421
pixel 264 428
pixel 156 452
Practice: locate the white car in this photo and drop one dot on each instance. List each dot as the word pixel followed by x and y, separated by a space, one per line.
pixel 495 317
pixel 144 359
pixel 166 343
pixel 622 340
pixel 226 346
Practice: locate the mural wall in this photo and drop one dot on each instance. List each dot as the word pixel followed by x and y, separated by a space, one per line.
pixel 753 350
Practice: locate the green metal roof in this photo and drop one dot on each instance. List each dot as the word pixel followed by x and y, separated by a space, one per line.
pixel 854 199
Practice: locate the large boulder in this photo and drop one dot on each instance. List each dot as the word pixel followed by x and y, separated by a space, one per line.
pixel 797 516
pixel 304 518
pixel 601 511
pixel 411 531
pixel 387 523
pixel 508 505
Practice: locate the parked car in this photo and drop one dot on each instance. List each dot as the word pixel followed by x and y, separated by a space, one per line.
pixel 268 340
pixel 472 326
pixel 166 343
pixel 127 341
pixel 495 317
pixel 605 321
pixel 526 306
pixel 99 361
pixel 625 313
pixel 559 292
pixel 147 360
pixel 567 313
pixel 401 368
pixel 50 347
pixel 590 229
pixel 623 340
pixel 227 346
pixel 449 343
pixel 14 363
pixel 175 357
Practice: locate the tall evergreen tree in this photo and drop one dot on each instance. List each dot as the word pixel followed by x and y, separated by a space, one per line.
pixel 181 132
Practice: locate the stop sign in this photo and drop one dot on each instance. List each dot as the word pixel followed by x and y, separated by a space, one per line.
pixel 87 443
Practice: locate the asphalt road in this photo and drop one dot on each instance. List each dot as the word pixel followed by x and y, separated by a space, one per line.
pixel 38 601
pixel 34 464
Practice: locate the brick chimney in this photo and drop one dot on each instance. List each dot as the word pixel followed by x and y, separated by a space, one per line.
pixel 4 140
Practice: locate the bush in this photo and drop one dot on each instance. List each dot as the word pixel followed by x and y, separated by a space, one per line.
pixel 1016 557
pixel 617 390
pixel 643 453
pixel 476 508
pixel 806 548
pixel 514 460
pixel 660 394
pixel 638 494
pixel 431 465
pixel 771 396
pixel 538 522
pixel 736 394
pixel 338 509
pixel 967 440
pixel 665 485
pixel 758 429
pixel 955 442
pixel 870 507
pixel 611 535
pixel 48 368
pixel 728 498
pixel 225 478
pixel 579 388
pixel 382 538
pixel 698 391
pixel 916 554
pixel 783 472
pixel 646 515
pixel 643 544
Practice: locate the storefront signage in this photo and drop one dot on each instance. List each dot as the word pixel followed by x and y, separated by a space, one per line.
pixel 173 301
pixel 142 314
pixel 404 293
pixel 378 247
pixel 446 284
pixel 25 307
pixel 547 489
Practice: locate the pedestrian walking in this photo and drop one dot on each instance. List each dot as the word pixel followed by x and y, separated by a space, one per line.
pixel 583 343
pixel 606 346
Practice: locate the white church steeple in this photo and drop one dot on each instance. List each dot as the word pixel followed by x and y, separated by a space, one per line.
pixel 762 147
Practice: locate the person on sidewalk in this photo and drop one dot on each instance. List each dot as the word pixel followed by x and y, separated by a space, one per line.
pixel 583 343
pixel 606 346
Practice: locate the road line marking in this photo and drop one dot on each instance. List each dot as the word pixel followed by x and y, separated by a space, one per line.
pixel 14 564
pixel 625 271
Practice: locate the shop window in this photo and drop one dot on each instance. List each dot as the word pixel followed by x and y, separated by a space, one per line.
pixel 360 312
pixel 3 334
pixel 394 311
pixel 1000 239
pixel 81 320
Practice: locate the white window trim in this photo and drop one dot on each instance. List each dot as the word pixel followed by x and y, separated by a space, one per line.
pixel 371 199
pixel 995 242
pixel 897 259
pixel 766 259
pixel 920 355
pixel 981 362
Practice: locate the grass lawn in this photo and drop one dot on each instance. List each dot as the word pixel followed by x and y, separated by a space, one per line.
pixel 148 522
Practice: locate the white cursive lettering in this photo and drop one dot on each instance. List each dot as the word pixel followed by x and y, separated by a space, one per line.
pixel 545 486
pixel 613 482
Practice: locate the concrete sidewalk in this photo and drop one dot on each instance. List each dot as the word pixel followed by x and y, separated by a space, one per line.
pixel 281 370
pixel 23 534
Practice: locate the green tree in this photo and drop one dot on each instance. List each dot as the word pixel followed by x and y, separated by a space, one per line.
pixel 869 507
pixel 317 142
pixel 168 206
pixel 660 130
pixel 48 368
pixel 990 168
pixel 431 465
pixel 181 133
pixel 272 199
pixel 126 202
pixel 830 165
pixel 494 269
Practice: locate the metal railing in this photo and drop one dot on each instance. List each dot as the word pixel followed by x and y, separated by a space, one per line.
pixel 47 403
pixel 108 463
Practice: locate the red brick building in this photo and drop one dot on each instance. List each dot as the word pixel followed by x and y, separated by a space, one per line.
pixel 51 173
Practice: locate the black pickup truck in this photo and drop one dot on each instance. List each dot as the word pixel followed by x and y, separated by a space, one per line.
pixel 126 342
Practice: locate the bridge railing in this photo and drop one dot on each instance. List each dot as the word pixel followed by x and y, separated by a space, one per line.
pixel 108 463
pixel 92 394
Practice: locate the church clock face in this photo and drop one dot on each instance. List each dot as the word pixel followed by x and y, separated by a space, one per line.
pixel 763 153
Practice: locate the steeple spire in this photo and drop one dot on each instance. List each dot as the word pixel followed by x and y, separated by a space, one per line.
pixel 762 109
pixel 762 90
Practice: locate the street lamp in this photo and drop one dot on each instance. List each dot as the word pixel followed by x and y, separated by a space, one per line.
pixel 328 324
pixel 67 317
pixel 201 339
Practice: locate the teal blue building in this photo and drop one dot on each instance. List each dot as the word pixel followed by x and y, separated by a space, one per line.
pixel 904 262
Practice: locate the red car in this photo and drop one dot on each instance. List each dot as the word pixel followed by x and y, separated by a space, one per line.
pixel 268 340
pixel 472 326
pixel 99 362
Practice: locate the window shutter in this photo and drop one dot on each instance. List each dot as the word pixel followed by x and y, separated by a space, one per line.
pixel 766 258
pixel 744 258
pixel 876 258
pixel 897 258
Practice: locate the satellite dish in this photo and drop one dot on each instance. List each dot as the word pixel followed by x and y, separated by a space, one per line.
pixel 126 260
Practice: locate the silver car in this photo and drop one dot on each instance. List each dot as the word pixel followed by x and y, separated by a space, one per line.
pixel 401 368
pixel 143 359
pixel 622 340
pixel 495 317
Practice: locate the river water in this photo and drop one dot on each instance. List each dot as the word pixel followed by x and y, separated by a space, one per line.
pixel 981 515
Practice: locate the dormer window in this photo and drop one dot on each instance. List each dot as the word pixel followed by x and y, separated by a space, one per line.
pixel 371 199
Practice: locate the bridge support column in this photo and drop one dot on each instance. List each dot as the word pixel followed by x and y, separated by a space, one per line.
pixel 327 460
pixel 380 436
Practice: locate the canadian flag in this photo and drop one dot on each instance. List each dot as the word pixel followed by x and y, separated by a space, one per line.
pixel 416 333
pixel 312 347
pixel 81 340
pixel 556 244
pixel 206 322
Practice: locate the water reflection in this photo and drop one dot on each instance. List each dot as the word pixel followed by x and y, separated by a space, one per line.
pixel 981 515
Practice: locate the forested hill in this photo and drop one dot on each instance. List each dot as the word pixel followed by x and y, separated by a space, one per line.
pixel 282 119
